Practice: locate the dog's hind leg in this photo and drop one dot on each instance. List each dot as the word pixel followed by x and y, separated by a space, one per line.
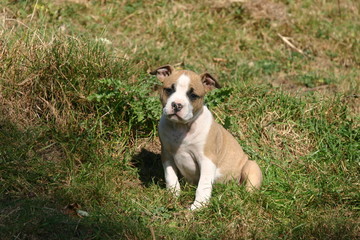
pixel 252 175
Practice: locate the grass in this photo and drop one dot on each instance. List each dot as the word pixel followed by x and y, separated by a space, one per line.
pixel 78 117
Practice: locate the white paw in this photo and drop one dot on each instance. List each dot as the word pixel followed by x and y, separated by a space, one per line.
pixel 176 192
pixel 196 206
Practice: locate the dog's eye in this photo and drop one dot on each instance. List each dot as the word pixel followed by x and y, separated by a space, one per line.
pixel 193 96
pixel 168 91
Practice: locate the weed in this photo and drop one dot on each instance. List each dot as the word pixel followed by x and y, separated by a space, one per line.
pixel 134 103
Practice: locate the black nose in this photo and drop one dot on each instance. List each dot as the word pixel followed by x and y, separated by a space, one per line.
pixel 176 106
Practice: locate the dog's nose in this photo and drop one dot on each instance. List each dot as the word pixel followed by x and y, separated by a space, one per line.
pixel 176 106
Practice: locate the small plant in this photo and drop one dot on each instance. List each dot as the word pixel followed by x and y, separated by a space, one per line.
pixel 313 80
pixel 133 103
pixel 218 96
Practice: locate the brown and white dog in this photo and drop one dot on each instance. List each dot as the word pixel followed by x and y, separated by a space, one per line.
pixel 193 144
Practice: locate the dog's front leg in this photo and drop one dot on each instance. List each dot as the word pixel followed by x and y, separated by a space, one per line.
pixel 171 178
pixel 204 189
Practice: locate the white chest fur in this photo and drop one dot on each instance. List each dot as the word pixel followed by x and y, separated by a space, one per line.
pixel 186 145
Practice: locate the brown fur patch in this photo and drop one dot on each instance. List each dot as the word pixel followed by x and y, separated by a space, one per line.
pixel 221 145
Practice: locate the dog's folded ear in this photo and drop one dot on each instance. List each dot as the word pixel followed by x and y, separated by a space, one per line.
pixel 163 72
pixel 209 81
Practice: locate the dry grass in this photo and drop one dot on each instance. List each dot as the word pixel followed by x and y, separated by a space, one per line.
pixel 278 135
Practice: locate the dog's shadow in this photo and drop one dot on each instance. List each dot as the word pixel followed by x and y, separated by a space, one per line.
pixel 149 167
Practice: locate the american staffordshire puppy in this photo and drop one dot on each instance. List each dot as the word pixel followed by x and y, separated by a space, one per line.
pixel 192 143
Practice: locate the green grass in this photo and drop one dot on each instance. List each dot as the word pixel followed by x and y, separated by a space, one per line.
pixel 79 113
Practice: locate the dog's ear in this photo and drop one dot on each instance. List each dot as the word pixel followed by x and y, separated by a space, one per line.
pixel 163 72
pixel 209 81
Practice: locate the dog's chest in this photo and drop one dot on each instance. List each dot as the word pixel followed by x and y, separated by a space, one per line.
pixel 188 165
pixel 186 149
pixel 186 146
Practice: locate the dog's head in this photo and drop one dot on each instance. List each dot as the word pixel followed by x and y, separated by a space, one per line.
pixel 182 92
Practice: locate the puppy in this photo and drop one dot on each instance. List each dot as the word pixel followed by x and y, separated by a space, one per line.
pixel 192 143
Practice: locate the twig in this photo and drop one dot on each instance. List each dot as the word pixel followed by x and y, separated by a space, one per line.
pixel 33 13
pixel 287 42
pixel 152 233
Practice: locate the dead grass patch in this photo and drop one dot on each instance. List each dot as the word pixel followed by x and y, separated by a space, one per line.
pixel 264 9
pixel 285 136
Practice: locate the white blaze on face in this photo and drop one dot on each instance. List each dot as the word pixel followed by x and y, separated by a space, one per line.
pixel 180 97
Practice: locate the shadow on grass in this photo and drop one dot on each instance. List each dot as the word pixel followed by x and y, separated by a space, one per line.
pixel 149 167
pixel 39 218
pixel 32 174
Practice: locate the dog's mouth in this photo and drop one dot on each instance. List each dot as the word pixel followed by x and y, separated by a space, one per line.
pixel 174 116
